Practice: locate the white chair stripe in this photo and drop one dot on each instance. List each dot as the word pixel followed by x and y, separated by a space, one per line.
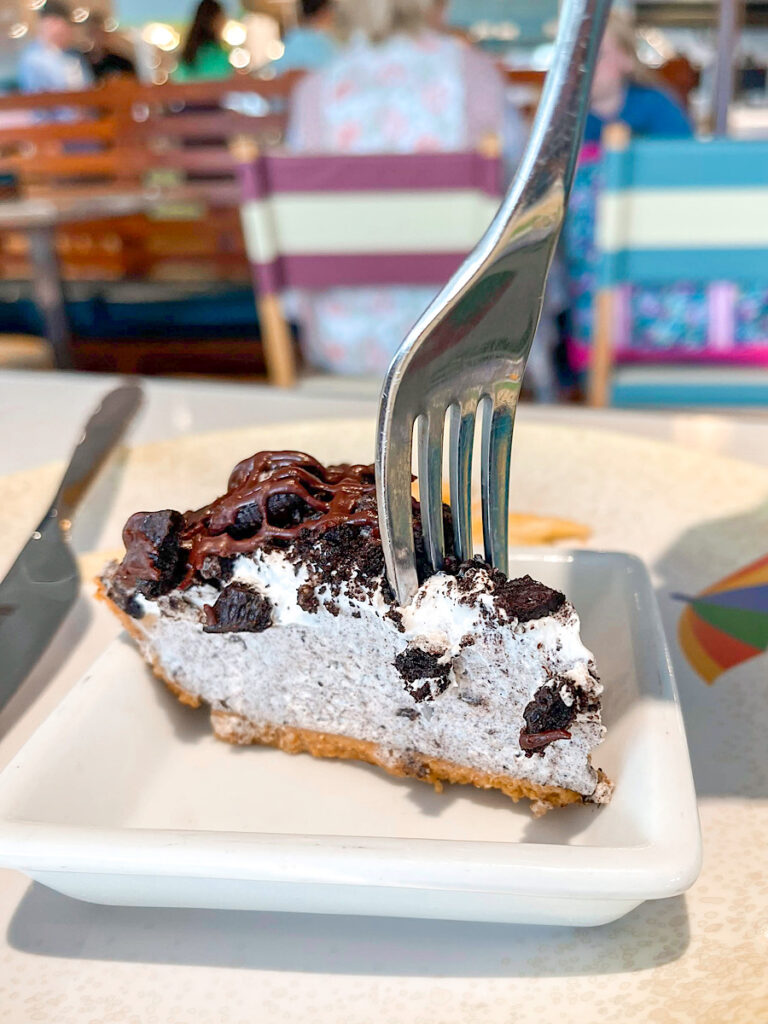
pixel 349 223
pixel 682 218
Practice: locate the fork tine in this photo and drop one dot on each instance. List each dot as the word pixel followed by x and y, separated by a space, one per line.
pixel 462 419
pixel 430 430
pixel 393 495
pixel 498 424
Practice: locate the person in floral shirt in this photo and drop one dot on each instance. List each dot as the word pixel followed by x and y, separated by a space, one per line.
pixel 398 86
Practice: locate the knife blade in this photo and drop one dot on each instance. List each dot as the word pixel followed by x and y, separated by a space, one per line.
pixel 43 583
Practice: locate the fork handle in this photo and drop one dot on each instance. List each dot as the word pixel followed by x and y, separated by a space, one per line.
pixel 553 146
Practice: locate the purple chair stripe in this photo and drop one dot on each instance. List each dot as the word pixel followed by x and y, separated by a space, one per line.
pixel 363 173
pixel 319 272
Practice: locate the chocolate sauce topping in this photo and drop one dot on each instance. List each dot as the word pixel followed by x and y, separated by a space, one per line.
pixel 324 517
pixel 272 498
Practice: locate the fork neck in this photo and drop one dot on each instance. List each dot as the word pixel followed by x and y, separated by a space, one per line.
pixel 550 157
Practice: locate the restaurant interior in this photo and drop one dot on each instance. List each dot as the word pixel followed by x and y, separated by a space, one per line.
pixel 129 233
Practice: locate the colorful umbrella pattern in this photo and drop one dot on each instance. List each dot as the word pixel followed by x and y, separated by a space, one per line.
pixel 727 623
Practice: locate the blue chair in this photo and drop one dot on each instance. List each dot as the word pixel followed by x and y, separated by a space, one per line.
pixel 676 215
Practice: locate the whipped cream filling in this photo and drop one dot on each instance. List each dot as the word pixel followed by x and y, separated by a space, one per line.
pixel 334 671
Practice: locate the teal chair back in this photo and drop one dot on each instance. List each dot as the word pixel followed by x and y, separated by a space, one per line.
pixel 681 235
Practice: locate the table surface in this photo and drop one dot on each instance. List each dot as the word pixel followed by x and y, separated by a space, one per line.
pixel 72 963
pixel 42 213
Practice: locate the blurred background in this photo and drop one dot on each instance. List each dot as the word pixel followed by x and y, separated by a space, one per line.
pixel 203 189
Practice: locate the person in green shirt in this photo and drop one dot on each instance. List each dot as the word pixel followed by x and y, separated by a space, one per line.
pixel 204 56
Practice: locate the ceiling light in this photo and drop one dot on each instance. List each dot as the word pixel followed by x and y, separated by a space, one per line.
pixel 164 37
pixel 234 33
pixel 239 58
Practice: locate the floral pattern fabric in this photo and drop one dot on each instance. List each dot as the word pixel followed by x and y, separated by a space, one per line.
pixel 427 93
pixel 665 320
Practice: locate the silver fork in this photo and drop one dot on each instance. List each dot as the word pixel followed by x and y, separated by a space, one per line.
pixel 471 345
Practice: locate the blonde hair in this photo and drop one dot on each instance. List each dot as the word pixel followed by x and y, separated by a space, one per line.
pixel 623 29
pixel 380 19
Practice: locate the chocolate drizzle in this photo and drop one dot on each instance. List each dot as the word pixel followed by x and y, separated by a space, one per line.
pixel 323 517
pixel 271 498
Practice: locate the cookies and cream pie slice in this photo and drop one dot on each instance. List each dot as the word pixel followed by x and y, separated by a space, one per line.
pixel 271 606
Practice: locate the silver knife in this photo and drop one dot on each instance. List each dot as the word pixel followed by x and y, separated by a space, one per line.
pixel 43 583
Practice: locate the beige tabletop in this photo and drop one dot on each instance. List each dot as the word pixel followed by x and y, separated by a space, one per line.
pixel 699 957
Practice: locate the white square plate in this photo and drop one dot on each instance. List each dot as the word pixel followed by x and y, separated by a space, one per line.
pixel 123 796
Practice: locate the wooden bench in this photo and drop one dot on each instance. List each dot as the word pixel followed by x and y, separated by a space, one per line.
pixel 122 138
pixel 126 136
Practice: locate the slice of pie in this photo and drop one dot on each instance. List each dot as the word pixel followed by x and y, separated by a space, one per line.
pixel 271 606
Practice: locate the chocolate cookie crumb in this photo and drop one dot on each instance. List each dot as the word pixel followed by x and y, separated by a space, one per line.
pixel 397 617
pixel 424 677
pixel 410 713
pixel 133 608
pixel 548 717
pixel 238 609
pixel 525 599
pixel 306 598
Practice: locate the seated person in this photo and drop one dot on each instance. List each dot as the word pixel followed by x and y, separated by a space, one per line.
pixel 204 57
pixel 104 57
pixel 625 90
pixel 49 63
pixel 398 86
pixel 670 320
pixel 311 45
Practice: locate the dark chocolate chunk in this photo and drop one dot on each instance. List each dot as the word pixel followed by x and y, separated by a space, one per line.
pixel 525 599
pixel 424 677
pixel 154 559
pixel 548 717
pixel 248 520
pixel 238 609
pixel 286 509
